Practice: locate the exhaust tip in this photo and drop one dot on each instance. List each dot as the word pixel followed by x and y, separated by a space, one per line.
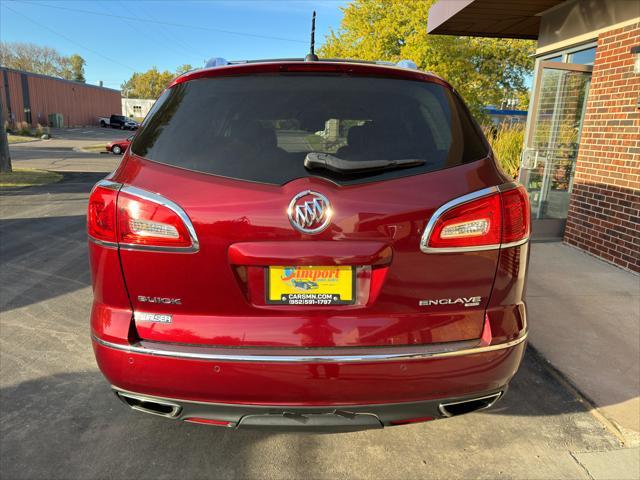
pixel 150 405
pixel 452 409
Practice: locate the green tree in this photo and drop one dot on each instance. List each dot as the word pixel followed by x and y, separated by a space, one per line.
pixel 44 60
pixel 484 70
pixel 183 69
pixel 150 84
pixel 77 64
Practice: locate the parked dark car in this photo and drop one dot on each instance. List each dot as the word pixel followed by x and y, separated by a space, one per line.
pixel 372 182
pixel 119 121
pixel 118 147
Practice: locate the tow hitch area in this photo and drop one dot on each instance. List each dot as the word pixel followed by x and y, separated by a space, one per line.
pixel 338 421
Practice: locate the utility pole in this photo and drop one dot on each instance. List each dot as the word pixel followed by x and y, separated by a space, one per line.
pixel 5 157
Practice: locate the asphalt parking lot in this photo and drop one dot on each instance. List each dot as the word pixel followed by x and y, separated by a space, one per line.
pixel 59 419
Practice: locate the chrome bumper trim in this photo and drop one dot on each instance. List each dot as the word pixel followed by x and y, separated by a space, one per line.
pixel 346 355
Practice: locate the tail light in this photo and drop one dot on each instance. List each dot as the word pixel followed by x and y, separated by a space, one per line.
pixel 482 220
pixel 138 220
pixel 101 214
pixel 516 215
pixel 146 219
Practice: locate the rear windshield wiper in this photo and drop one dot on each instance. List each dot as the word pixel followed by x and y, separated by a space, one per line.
pixel 315 160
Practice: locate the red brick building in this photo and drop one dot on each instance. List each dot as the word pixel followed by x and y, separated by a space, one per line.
pixel 581 163
pixel 30 97
pixel 603 216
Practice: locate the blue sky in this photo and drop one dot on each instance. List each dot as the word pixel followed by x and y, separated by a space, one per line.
pixel 165 33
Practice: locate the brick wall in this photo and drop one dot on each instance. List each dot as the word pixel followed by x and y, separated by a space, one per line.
pixel 604 211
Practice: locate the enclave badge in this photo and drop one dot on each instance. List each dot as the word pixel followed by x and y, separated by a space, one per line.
pixel 466 301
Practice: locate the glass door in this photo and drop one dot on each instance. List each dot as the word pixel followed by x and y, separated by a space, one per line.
pixel 549 158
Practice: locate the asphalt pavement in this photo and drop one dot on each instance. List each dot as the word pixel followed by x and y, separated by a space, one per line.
pixel 61 153
pixel 60 420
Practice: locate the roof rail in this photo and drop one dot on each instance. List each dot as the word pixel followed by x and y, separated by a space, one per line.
pixel 407 64
pixel 219 61
pixel 216 62
pixel 353 60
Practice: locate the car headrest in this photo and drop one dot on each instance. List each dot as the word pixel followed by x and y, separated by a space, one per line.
pixel 358 136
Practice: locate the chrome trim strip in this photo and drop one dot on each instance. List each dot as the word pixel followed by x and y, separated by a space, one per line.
pixel 479 248
pixel 442 406
pixel 441 350
pixel 459 201
pixel 103 243
pixel 152 248
pixel 515 244
pixel 160 200
pixel 505 187
pixel 105 183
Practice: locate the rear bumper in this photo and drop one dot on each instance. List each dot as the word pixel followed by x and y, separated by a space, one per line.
pixel 318 418
pixel 373 376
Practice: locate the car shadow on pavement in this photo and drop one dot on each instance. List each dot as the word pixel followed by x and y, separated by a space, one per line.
pixel 43 252
pixel 42 258
pixel 536 390
pixel 72 426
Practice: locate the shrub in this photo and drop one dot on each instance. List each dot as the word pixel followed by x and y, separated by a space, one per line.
pixel 39 130
pixel 24 129
pixel 507 142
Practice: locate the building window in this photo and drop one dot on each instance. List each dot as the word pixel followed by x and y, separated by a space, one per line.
pixel 583 57
pixel 137 109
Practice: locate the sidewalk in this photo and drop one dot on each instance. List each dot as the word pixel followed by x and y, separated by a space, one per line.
pixel 584 318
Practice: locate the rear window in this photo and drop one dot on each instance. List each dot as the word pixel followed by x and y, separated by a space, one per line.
pixel 260 128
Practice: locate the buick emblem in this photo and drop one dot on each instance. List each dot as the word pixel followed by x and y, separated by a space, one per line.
pixel 310 212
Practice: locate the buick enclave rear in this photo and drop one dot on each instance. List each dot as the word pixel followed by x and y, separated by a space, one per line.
pixel 308 245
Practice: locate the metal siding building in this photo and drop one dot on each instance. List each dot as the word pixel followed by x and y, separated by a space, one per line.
pixel 30 97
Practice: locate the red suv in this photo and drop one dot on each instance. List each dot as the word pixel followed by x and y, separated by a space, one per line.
pixel 308 245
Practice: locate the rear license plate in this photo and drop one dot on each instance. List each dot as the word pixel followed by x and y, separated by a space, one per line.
pixel 304 285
